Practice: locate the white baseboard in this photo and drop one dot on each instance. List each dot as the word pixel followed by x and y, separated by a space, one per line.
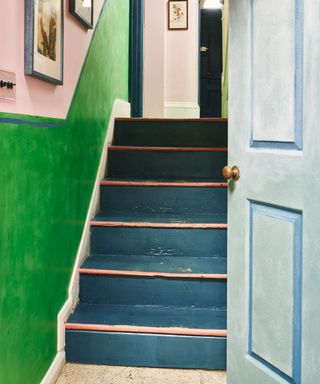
pixel 181 110
pixel 120 109
pixel 53 373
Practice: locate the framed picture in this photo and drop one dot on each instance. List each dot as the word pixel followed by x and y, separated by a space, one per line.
pixel 44 40
pixel 177 15
pixel 82 10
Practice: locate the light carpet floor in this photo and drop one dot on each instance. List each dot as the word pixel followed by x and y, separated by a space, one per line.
pixel 92 374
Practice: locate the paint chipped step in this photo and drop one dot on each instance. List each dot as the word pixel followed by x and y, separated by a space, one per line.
pixel 170 202
pixel 150 220
pixel 152 183
pixel 149 319
pixel 146 350
pixel 155 290
pixel 152 266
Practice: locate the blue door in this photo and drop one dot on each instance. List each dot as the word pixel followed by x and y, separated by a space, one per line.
pixel 273 232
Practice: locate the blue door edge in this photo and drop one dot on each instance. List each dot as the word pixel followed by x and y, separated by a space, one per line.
pixel 136 57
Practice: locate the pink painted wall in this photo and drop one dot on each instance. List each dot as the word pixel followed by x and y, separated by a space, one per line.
pixel 36 97
pixel 170 63
pixel 154 58
pixel 181 65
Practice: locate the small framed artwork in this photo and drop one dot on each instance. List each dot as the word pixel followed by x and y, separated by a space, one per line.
pixel 44 40
pixel 177 15
pixel 82 10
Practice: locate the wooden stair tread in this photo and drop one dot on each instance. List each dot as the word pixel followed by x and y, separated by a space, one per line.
pixel 173 120
pixel 153 292
pixel 149 319
pixel 176 265
pixel 165 218
pixel 162 183
pixel 166 149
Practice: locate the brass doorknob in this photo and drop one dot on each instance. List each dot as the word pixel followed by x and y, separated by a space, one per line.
pixel 231 173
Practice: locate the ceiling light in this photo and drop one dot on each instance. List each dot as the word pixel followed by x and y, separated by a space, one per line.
pixel 86 4
pixel 212 4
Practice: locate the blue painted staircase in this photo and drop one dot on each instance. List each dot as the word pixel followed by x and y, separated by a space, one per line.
pixel 153 290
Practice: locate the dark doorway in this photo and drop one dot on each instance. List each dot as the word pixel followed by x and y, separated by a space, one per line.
pixel 210 62
pixel 136 57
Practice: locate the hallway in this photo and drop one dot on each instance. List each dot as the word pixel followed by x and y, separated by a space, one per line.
pixel 144 240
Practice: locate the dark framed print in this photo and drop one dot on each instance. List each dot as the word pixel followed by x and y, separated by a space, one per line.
pixel 44 39
pixel 82 10
pixel 177 15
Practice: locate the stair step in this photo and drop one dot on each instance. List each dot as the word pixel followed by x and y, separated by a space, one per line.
pixel 162 220
pixel 171 132
pixel 143 290
pixel 191 242
pixel 166 149
pixel 152 183
pixel 165 200
pixel 150 319
pixel 145 350
pixel 153 292
pixel 162 264
pixel 150 224
pixel 161 182
pixel 170 165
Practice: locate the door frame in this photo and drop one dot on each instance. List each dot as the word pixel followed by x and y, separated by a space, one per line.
pixel 199 54
pixel 136 54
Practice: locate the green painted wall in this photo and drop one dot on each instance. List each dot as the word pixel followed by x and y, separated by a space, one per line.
pixel 46 178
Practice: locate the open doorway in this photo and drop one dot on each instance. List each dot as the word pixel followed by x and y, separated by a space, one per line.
pixel 211 58
pixel 136 49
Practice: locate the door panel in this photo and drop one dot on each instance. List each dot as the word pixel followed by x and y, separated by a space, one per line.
pixel 273 35
pixel 273 225
pixel 275 287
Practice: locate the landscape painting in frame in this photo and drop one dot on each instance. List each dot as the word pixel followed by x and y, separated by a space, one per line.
pixel 178 14
pixel 82 10
pixel 44 39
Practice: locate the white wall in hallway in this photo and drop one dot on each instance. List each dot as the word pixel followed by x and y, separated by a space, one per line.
pixel 181 67
pixel 154 58
pixel 170 63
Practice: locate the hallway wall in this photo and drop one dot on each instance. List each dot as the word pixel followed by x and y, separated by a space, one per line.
pixel 36 97
pixel 154 58
pixel 181 68
pixel 170 63
pixel 47 178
